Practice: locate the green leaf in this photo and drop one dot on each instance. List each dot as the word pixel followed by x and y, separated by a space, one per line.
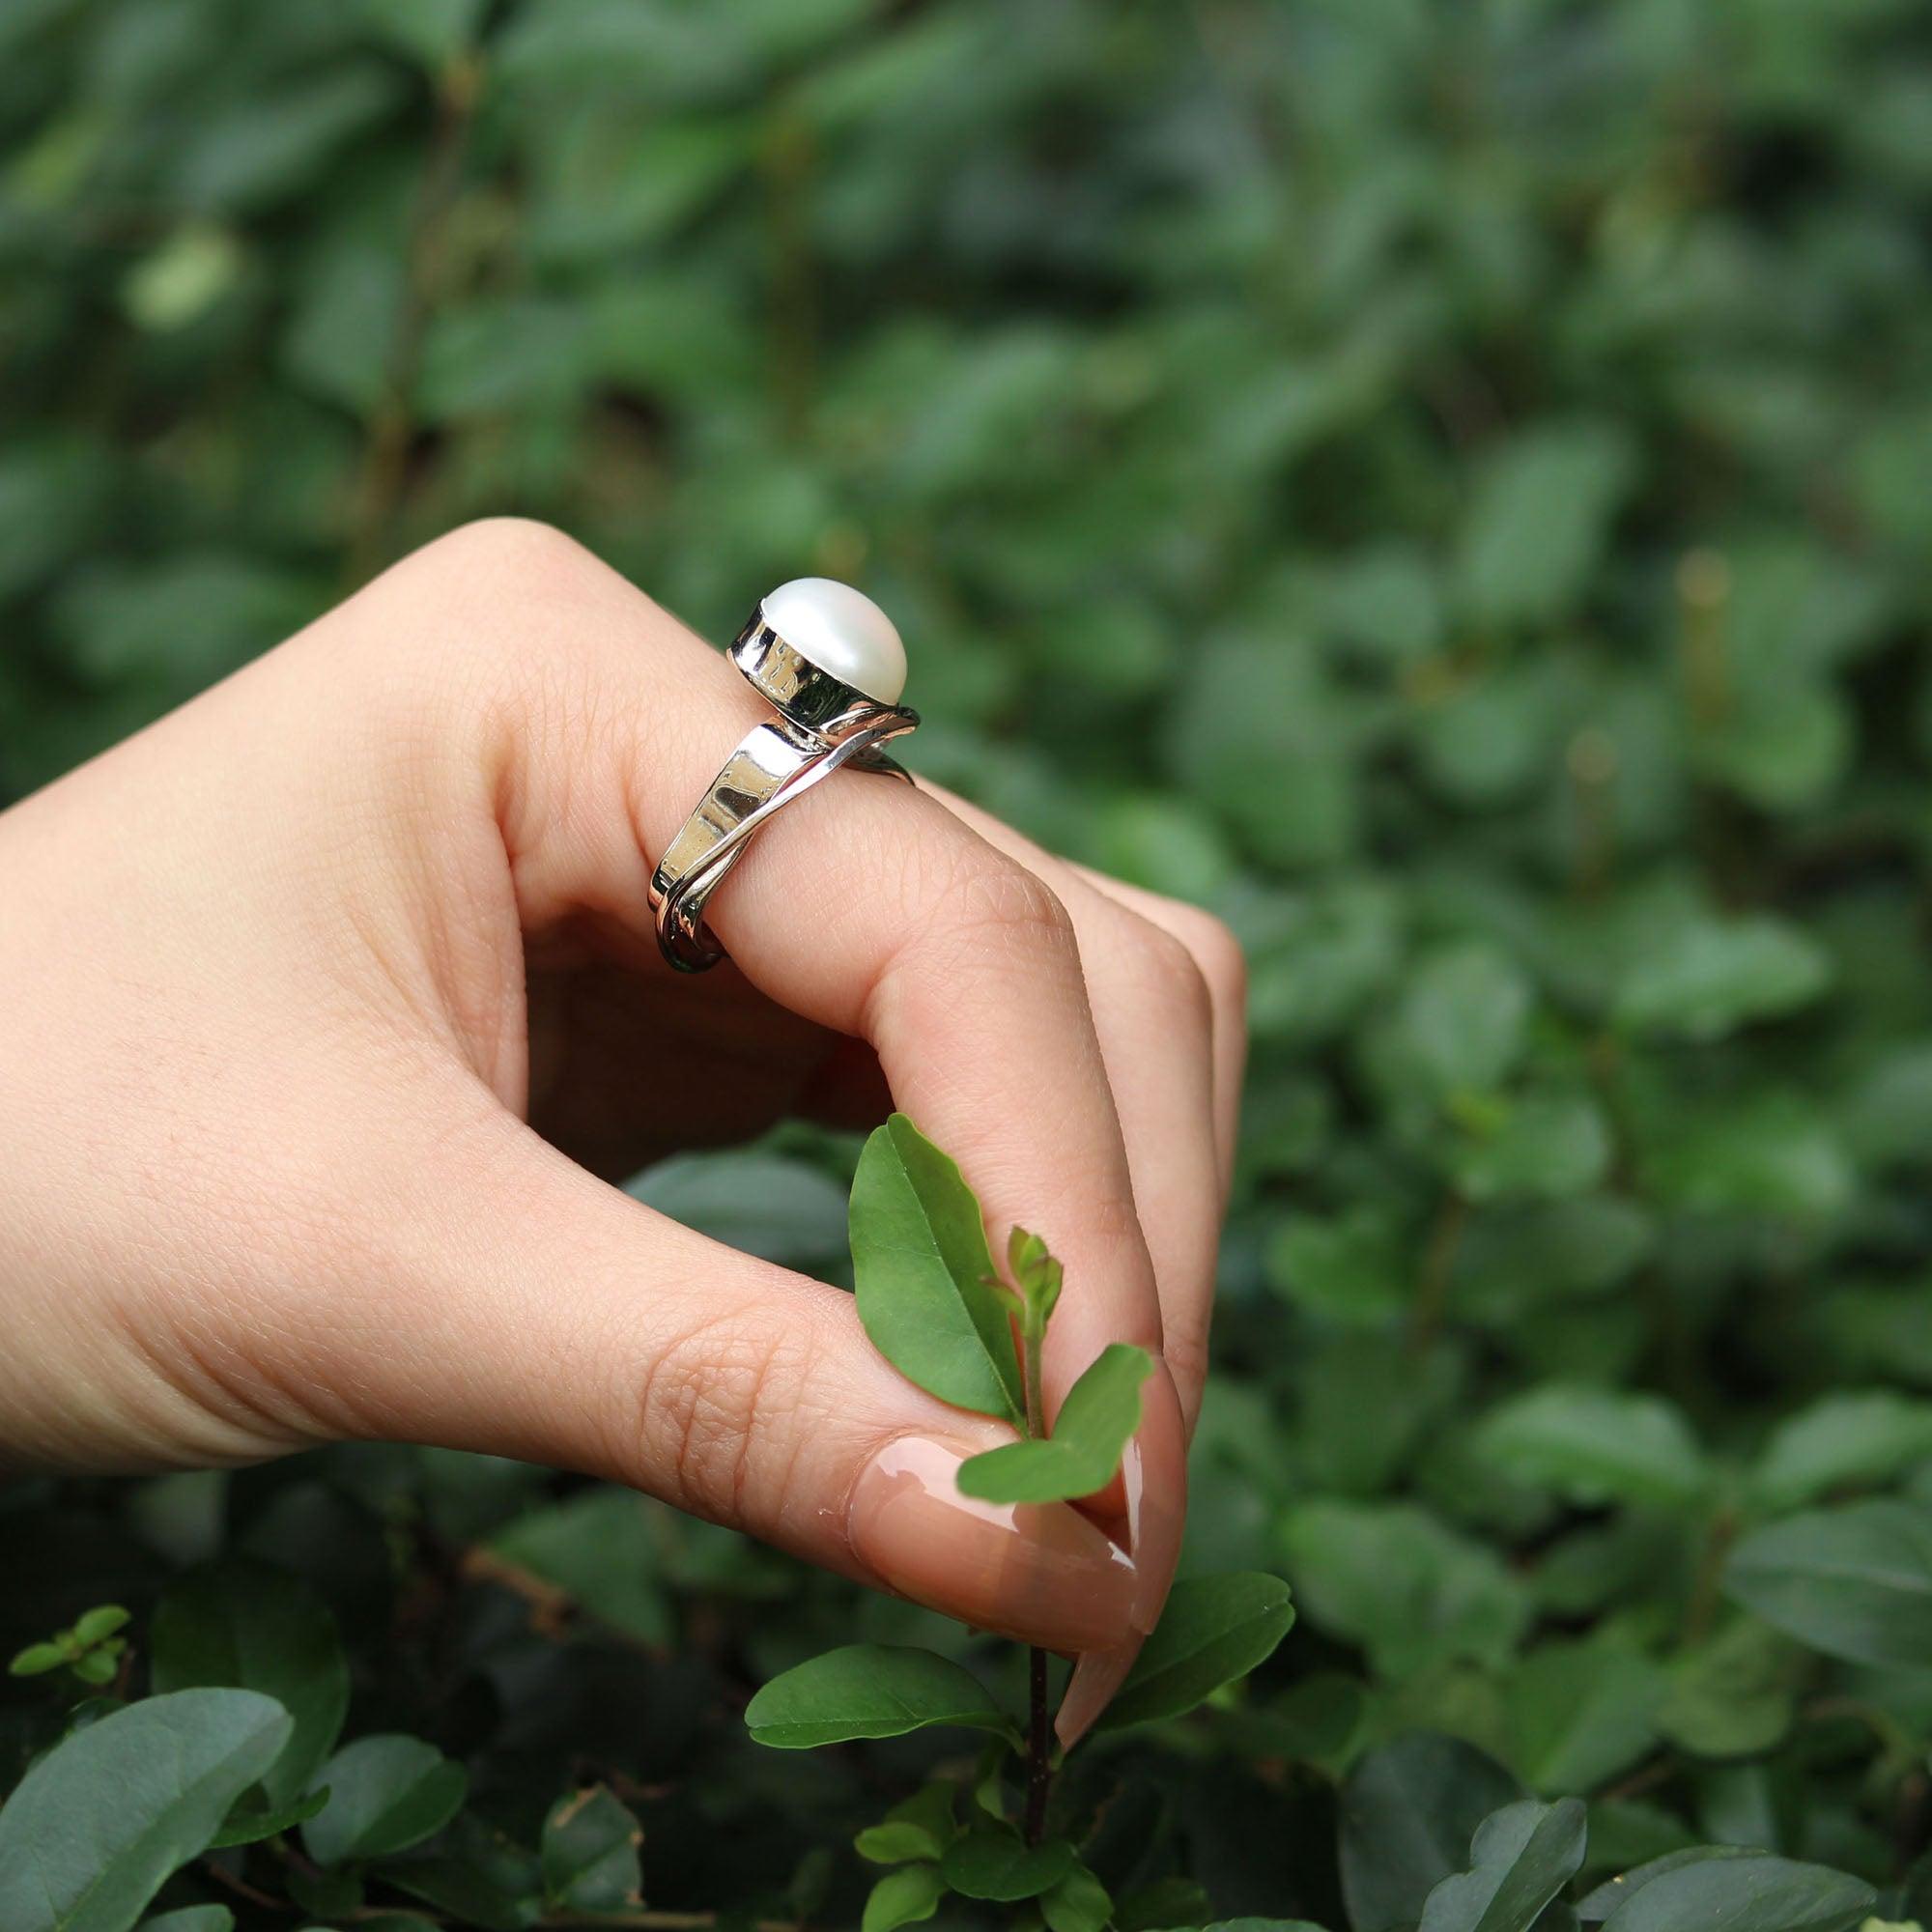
pixel 1519 1859
pixel 921 1827
pixel 100 1622
pixel 1702 979
pixel 245 1623
pixel 1612 1894
pixel 387 1793
pixel 191 1919
pixel 869 1690
pixel 1735 1695
pixel 994 1862
pixel 1463 1021
pixel 1406 1587
pixel 1853 1582
pixel 1581 1711
pixel 1745 1895
pixel 1538 519
pixel 94 1829
pixel 1409 1811
pixel 597 1548
pixel 922 1268
pixel 1096 1421
pixel 903 1897
pixel 591 1853
pixel 1595 1445
pixel 1544 1147
pixel 246 1826
pixel 1078 1903
pixel 1841 1441
pixel 475 1875
pixel 37 1659
pixel 1212 1631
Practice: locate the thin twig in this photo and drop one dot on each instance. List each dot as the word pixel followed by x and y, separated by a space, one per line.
pixel 1039 1727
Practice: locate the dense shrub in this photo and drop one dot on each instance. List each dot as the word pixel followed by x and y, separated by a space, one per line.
pixel 1449 486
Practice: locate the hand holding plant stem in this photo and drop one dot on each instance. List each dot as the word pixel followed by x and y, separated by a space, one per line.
pixel 934 1305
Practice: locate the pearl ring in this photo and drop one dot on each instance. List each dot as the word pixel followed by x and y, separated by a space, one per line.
pixel 831 664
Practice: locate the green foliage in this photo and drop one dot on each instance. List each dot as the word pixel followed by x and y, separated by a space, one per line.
pixel 1445 487
pixel 924 1275
pixel 1093 1425
pixel 869 1690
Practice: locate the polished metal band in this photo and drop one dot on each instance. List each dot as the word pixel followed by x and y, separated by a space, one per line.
pixel 822 724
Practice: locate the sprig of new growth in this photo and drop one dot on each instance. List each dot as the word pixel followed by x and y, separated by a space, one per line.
pixel 935 1306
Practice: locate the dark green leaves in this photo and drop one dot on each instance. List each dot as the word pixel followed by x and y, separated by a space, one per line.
pixel 1409 1811
pixel 258 1629
pixel 95 1827
pixel 1102 1412
pixel 1519 1859
pixel 993 1861
pixel 1213 1630
pixel 1855 1583
pixel 590 1854
pixel 924 1273
pixel 387 1793
pixel 1748 1893
pixel 869 1690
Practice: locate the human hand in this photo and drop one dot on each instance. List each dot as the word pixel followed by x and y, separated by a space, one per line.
pixel 326 1002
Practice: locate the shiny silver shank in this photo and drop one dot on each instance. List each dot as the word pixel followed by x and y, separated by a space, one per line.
pixel 822 724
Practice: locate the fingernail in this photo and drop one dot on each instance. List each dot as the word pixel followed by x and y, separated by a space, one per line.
pixel 1096 1676
pixel 1154 1476
pixel 1040 1572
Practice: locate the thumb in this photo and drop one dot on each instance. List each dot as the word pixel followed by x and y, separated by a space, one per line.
pixel 556 1319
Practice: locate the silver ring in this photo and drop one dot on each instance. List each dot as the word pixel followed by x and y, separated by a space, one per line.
pixel 801 650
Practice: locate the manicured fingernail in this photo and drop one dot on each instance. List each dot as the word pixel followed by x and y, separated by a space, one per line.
pixel 1096 1676
pixel 1040 1572
pixel 1153 1475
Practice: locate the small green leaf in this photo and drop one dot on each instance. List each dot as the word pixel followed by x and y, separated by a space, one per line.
pixel 1853 1582
pixel 95 1666
pixel 1849 1437
pixel 1612 1894
pixel 1757 1894
pixel 1705 978
pixel 1078 1903
pixel 100 1622
pixel 246 1826
pixel 1580 1712
pixel 1102 1412
pixel 903 1897
pixel 37 1659
pixel 1734 1697
pixel 1409 1811
pixel 1519 1859
pixel 191 1919
pixel 1213 1630
pixel 591 1853
pixel 1594 1445
pixel 869 1690
pixel 246 1624
pixel 94 1829
pixel 387 1792
pixel 921 1827
pixel 993 1861
pixel 923 1269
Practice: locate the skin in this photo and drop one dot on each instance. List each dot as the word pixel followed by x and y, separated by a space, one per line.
pixel 329 1008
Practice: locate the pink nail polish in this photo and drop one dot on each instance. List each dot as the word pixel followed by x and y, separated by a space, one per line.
pixel 1040 1573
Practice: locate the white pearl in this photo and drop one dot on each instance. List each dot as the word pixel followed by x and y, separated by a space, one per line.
pixel 843 632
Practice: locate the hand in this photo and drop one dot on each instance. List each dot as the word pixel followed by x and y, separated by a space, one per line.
pixel 326 1002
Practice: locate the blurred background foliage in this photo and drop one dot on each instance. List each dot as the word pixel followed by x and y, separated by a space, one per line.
pixel 1447 486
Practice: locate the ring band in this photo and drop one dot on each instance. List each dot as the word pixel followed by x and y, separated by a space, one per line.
pixel 824 722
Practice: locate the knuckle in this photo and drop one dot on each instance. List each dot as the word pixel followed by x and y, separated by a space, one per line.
pixel 1175 978
pixel 713 1411
pixel 992 898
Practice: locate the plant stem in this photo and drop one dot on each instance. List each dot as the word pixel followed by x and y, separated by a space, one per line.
pixel 1039 1747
